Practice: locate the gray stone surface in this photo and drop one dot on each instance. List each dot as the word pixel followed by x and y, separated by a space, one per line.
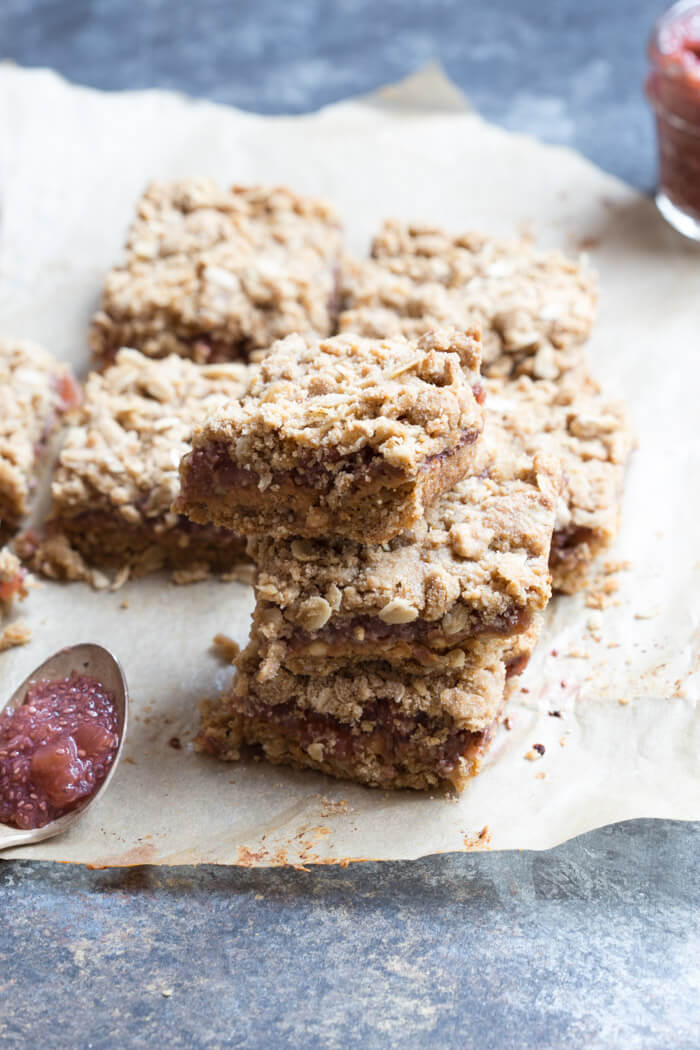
pixel 595 944
pixel 569 71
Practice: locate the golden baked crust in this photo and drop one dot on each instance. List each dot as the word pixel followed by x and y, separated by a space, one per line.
pixel 117 473
pixel 342 436
pixel 212 274
pixel 35 390
pixel 535 308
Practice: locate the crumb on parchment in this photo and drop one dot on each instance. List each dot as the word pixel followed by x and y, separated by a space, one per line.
pixel 16 633
pixel 329 808
pixel 226 647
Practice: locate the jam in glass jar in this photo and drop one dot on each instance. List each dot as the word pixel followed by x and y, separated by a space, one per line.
pixel 673 88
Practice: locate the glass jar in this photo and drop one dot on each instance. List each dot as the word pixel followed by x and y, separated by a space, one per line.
pixel 673 88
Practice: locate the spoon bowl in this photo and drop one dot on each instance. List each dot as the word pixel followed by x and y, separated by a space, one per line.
pixel 85 659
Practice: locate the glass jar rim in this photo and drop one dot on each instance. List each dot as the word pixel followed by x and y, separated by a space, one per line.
pixel 667 18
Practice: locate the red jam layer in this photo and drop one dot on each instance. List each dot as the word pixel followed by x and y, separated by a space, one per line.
pixel 673 88
pixel 69 391
pixel 55 750
pixel 9 589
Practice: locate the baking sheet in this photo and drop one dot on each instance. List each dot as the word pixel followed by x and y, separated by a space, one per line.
pixel 625 678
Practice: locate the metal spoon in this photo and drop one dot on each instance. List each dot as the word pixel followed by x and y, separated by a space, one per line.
pixel 99 663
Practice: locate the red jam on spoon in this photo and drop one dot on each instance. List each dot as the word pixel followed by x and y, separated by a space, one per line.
pixel 55 749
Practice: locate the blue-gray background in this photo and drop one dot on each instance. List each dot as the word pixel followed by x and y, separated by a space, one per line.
pixel 595 944
pixel 570 71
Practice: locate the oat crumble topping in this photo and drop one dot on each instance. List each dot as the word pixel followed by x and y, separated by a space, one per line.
pixel 535 308
pixel 213 274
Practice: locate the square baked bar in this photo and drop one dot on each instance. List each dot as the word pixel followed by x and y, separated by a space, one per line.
pixel 345 437
pixel 593 438
pixel 535 308
pixel 475 568
pixel 117 474
pixel 213 274
pixel 374 724
pixel 35 391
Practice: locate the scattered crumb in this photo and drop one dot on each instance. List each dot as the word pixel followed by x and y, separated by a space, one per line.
pixel 479 841
pixel 554 714
pixel 226 647
pixel 328 808
pixel 507 722
pixel 601 596
pixel 554 652
pixel 16 633
pixel 587 244
pixel 244 572
pixel 578 654
pixel 623 701
pixel 611 566
pixel 646 615
pixel 562 741
pixel 175 743
pixel 166 993
pixel 121 578
pixel 55 558
pixel 606 585
pixel 539 748
pixel 124 603
pixel 192 574
pixel 541 775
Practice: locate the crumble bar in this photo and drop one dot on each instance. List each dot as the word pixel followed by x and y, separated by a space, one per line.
pixel 345 437
pixel 117 473
pixel 377 725
pixel 35 391
pixel 535 308
pixel 593 438
pixel 213 274
pixel 476 567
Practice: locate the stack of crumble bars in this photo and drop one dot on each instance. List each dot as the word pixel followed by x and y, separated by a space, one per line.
pixel 405 554
pixel 402 556
pixel 411 448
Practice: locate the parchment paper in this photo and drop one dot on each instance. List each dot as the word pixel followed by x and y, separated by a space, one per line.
pixel 72 163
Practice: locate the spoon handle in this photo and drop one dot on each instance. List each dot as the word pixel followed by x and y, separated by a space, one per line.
pixel 13 837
